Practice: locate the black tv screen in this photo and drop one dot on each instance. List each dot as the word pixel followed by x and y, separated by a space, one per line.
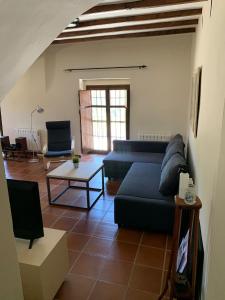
pixel 26 209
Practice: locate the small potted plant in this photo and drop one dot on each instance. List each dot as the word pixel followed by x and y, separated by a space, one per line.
pixel 75 160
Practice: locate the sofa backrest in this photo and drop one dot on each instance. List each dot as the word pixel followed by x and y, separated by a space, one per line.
pixel 139 146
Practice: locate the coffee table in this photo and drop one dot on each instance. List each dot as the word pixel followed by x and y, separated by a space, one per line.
pixel 84 173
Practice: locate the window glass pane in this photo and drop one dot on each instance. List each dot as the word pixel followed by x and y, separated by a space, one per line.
pixel 118 114
pixel 118 97
pixel 103 93
pixel 98 97
pixel 118 131
pixel 93 93
pixel 100 143
pixel 98 113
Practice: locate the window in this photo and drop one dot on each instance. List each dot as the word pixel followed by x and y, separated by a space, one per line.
pixel 109 116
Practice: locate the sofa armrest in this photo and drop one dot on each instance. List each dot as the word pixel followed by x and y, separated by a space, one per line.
pixel 139 146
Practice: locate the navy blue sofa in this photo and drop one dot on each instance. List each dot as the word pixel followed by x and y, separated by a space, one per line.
pixel 150 173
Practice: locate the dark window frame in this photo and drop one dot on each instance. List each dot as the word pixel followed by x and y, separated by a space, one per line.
pixel 107 88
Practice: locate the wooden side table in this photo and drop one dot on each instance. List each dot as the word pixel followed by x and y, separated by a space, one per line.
pixel 193 226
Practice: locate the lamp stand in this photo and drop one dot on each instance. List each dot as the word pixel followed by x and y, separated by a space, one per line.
pixel 33 159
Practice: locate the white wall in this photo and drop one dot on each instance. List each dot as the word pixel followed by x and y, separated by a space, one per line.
pixel 159 94
pixel 209 53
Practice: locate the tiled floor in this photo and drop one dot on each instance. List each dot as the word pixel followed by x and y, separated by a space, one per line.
pixel 105 263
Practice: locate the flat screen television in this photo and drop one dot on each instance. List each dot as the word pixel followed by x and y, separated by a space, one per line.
pixel 26 209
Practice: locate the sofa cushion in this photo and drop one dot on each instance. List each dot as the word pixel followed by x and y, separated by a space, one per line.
pixel 58 153
pixel 175 139
pixel 135 157
pixel 170 174
pixel 142 180
pixel 117 164
pixel 175 147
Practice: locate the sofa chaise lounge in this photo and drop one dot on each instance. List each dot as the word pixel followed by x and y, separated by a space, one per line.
pixel 150 173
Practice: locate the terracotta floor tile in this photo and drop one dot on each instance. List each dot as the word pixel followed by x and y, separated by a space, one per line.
pixel 116 272
pixel 74 213
pixel 54 210
pixel 123 251
pixel 163 284
pixel 128 235
pixel 154 240
pixel 113 186
pixel 106 230
pixel 44 204
pixel 86 226
pixel 72 256
pixel 70 197
pixel 64 223
pixel 102 204
pixel 169 243
pixel 77 241
pixel 152 257
pixel 168 255
pixel 147 279
pixel 140 295
pixel 111 208
pixel 97 246
pixel 94 214
pixel 109 217
pixel 48 219
pixel 107 291
pixel 75 287
pixel 88 265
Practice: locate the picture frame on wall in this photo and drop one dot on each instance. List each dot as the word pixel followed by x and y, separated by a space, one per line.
pixel 196 100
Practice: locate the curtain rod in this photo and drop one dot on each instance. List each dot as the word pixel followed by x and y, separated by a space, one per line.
pixel 106 68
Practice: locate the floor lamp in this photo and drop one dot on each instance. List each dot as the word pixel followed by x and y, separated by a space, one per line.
pixel 40 110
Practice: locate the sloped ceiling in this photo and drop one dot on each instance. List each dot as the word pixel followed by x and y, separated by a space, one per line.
pixel 27 27
pixel 132 19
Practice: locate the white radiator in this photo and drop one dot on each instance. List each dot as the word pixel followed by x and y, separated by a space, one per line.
pixel 164 137
pixel 33 138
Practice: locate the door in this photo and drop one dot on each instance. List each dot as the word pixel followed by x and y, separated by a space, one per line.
pixel 85 109
pixel 109 116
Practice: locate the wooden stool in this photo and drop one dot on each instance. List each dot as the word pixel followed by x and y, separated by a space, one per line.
pixel 193 227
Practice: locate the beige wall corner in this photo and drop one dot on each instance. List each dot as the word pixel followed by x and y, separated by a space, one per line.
pixel 205 149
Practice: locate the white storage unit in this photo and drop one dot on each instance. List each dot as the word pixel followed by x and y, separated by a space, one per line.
pixel 43 268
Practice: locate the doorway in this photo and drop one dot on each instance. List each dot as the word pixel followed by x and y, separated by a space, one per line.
pixel 104 112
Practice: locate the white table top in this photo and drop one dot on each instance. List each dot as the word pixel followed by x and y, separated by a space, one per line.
pixel 41 248
pixel 84 172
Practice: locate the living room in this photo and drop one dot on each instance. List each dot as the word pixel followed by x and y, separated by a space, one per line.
pixel 159 103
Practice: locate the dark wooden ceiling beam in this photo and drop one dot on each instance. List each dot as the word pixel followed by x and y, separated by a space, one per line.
pixel 131 27
pixel 145 17
pixel 137 4
pixel 129 35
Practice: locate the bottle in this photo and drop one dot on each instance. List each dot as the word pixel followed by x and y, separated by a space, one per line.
pixel 183 184
pixel 190 196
